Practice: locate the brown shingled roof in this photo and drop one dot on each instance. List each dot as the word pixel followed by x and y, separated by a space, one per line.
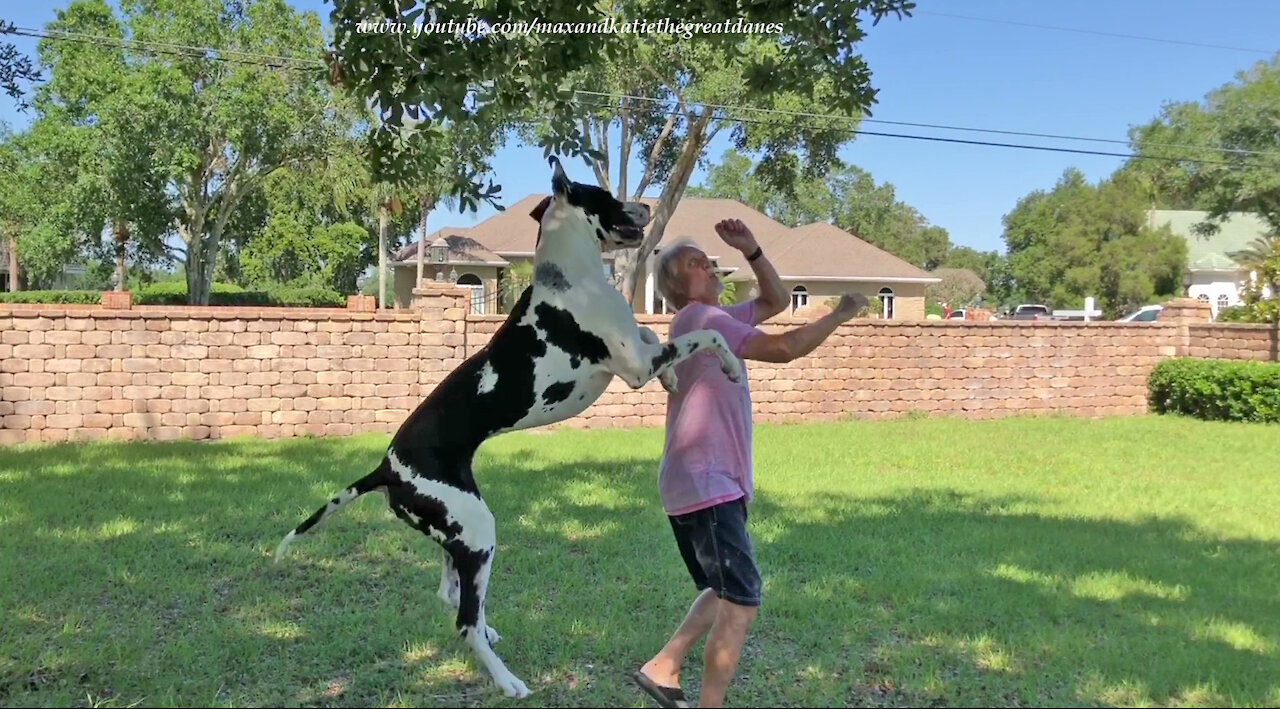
pixel 822 250
pixel 463 248
pixel 812 251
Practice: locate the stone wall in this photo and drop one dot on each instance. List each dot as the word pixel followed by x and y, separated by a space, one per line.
pixel 155 372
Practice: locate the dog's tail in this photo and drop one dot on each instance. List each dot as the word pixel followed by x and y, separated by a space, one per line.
pixel 368 483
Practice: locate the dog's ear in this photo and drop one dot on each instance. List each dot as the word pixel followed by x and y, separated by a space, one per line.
pixel 559 180
pixel 539 209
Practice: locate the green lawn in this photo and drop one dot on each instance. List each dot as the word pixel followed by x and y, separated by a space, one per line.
pixel 1040 561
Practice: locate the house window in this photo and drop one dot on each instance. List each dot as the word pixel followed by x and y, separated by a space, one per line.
pixel 799 297
pixel 472 281
pixel 886 303
pixel 1202 298
pixel 1223 301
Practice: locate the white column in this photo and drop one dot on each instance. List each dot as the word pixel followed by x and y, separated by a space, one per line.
pixel 649 286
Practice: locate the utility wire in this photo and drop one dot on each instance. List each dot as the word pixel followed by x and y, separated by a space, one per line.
pixel 278 62
pixel 926 125
pixel 1095 32
pixel 972 142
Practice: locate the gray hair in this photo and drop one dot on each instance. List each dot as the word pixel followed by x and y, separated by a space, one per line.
pixel 665 269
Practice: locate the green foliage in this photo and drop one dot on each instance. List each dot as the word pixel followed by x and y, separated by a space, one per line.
pixel 175 293
pixel 1080 240
pixel 1233 135
pixel 1210 389
pixel 92 297
pixel 492 79
pixel 843 195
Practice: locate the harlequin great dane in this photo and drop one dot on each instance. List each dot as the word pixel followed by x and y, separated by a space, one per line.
pixel 566 338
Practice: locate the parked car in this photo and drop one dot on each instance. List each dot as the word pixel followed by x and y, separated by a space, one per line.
pixel 1030 311
pixel 1147 313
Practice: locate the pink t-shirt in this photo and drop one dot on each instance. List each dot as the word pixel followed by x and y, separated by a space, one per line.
pixel 706 458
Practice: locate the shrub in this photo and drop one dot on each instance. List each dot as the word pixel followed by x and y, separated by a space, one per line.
pixel 1214 389
pixel 91 297
pixel 175 293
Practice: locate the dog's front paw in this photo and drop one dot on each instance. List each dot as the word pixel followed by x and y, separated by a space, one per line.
pixel 669 381
pixel 511 686
pixel 731 368
pixel 491 635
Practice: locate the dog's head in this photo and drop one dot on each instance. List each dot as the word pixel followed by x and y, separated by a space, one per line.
pixel 613 224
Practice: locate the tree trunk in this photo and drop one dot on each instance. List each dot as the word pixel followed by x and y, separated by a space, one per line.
pixel 382 256
pixel 624 149
pixel 634 266
pixel 13 263
pixel 121 233
pixel 422 245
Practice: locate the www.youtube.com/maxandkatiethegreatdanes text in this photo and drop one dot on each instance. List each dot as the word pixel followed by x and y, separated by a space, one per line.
pixel 496 30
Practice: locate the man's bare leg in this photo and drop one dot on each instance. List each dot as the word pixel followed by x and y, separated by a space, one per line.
pixel 664 668
pixel 724 647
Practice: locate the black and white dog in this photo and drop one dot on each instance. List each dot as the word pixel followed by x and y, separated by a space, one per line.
pixel 568 335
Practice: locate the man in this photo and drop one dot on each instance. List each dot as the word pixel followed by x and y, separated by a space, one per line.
pixel 705 480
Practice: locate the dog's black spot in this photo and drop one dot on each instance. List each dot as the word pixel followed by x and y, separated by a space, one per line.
pixel 600 233
pixel 456 418
pixel 557 393
pixel 667 354
pixel 550 276
pixel 563 332
pixel 468 563
pixel 575 362
pixel 692 346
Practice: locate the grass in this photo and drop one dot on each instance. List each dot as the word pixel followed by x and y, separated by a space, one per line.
pixel 1040 561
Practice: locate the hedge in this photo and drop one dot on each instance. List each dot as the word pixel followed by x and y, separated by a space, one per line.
pixel 1216 389
pixel 77 297
pixel 175 293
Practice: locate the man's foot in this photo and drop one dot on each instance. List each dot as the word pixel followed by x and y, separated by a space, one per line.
pixel 666 695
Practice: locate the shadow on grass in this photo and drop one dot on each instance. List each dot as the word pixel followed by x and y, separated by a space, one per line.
pixel 142 572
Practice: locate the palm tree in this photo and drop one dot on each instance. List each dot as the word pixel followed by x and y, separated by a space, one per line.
pixel 1262 257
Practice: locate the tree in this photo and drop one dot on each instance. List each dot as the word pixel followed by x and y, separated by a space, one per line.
pixel 991 266
pixel 420 81
pixel 845 196
pixel 215 125
pixel 15 68
pixel 96 132
pixel 1220 155
pixel 17 205
pixel 959 287
pixel 1081 240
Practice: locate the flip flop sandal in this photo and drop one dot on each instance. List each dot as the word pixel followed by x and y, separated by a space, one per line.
pixel 664 696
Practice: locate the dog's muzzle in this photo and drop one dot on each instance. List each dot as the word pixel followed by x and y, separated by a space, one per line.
pixel 637 216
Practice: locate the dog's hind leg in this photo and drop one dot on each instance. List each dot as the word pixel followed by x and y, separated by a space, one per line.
pixel 449 585
pixel 474 560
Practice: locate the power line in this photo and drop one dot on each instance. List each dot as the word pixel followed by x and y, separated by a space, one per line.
pixel 983 142
pixel 1096 32
pixel 211 53
pixel 929 125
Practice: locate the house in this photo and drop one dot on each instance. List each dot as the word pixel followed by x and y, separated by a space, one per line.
pixel 816 262
pixel 1212 275
pixel 65 279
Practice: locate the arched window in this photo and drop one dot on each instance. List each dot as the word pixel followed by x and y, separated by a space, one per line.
pixel 1223 301
pixel 799 298
pixel 472 281
pixel 886 303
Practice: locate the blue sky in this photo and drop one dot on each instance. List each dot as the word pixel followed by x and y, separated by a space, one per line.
pixel 937 69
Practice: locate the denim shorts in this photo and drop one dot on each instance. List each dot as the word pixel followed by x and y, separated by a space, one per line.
pixel 717 550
